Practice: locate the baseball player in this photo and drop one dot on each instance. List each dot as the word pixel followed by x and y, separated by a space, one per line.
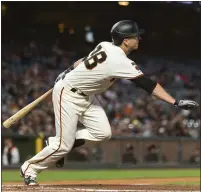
pixel 74 97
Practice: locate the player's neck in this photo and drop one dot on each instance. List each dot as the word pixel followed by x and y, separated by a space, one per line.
pixel 125 49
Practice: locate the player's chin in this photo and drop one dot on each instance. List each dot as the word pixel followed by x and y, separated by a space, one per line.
pixel 135 47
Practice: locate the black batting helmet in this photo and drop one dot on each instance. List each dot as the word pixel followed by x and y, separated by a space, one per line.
pixel 124 29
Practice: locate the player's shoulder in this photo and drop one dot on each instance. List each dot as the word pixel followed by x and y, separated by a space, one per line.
pixel 125 60
pixel 111 48
pixel 105 44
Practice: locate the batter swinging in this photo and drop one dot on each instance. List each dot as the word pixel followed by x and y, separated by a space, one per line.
pixel 74 96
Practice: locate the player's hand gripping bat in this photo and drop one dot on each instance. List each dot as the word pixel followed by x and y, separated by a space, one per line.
pixel 21 113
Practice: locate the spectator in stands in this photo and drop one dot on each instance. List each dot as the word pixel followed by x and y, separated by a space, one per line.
pixel 96 154
pixel 28 75
pixel 195 157
pixel 129 157
pixel 152 154
pixel 80 155
pixel 11 155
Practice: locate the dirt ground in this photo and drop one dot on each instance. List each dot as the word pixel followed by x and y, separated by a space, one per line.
pixel 134 185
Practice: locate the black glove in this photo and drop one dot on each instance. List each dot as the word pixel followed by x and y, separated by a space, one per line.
pixel 186 104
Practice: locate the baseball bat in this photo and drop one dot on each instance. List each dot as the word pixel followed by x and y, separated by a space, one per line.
pixel 21 113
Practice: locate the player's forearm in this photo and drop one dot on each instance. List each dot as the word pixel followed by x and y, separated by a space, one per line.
pixel 152 87
pixel 160 93
pixel 155 89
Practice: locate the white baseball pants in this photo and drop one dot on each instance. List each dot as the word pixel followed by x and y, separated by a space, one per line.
pixel 69 108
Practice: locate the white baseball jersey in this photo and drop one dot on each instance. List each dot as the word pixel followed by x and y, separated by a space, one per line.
pixel 92 76
pixel 101 68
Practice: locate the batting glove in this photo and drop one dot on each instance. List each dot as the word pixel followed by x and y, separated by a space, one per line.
pixel 186 104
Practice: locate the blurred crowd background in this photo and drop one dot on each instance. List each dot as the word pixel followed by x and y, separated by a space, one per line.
pixel 33 56
pixel 45 39
pixel 27 73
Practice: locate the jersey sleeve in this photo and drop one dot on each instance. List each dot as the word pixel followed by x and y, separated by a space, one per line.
pixel 126 69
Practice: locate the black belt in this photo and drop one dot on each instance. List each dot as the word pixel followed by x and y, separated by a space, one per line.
pixel 74 90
